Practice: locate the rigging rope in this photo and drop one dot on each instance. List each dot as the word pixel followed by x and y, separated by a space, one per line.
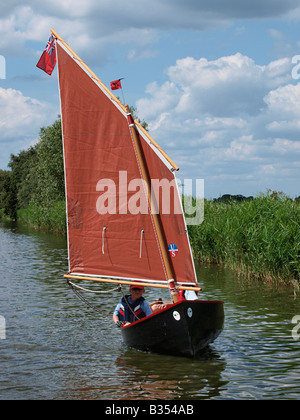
pixel 119 289
pixel 94 291
pixel 73 287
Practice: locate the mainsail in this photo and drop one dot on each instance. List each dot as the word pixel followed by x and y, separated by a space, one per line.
pixel 112 232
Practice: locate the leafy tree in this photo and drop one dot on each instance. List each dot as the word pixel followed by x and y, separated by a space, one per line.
pixel 22 166
pixel 49 169
pixel 13 180
pixel 37 174
pixel 3 176
pixel 36 179
pixel 9 196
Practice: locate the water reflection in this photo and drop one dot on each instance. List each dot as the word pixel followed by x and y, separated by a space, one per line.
pixel 134 375
pixel 170 378
pixel 58 348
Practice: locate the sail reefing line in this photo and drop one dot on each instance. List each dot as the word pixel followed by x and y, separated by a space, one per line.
pixel 103 238
pixel 141 242
pixel 92 128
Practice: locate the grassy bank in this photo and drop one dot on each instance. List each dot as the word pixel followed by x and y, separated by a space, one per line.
pixel 260 238
pixel 3 216
pixel 52 218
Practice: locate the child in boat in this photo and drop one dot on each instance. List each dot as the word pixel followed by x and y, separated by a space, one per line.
pixel 131 307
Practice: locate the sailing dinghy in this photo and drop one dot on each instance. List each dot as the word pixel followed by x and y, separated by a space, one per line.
pixel 117 229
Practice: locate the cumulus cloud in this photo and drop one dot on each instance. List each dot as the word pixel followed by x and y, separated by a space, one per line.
pixel 226 88
pixel 18 113
pixel 136 24
pixel 20 120
pixel 230 118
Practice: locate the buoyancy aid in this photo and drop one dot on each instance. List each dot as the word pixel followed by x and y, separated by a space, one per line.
pixel 136 312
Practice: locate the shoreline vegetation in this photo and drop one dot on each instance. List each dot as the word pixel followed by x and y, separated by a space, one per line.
pixel 256 236
pixel 259 238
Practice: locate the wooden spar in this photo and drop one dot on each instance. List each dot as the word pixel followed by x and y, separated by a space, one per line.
pixel 153 207
pixel 141 283
pixel 113 97
pixel 175 167
pixel 92 74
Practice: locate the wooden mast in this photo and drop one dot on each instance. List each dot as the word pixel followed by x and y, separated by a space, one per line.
pixel 153 207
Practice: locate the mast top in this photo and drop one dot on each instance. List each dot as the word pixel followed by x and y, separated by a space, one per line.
pixel 114 98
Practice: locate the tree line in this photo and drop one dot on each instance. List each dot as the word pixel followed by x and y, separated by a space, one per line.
pixel 36 175
pixel 33 189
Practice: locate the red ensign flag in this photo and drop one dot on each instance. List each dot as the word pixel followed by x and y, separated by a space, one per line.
pixel 116 84
pixel 48 58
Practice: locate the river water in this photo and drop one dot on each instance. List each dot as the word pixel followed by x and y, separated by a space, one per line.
pixel 53 346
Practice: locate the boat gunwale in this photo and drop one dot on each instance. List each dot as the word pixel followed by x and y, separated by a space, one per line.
pixel 173 305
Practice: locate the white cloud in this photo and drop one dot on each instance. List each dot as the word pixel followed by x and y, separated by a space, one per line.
pixel 227 118
pixel 224 89
pixel 18 113
pixel 20 120
pixel 284 101
pixel 136 24
pixel 230 117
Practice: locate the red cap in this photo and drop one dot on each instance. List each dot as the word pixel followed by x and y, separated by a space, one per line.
pixel 136 285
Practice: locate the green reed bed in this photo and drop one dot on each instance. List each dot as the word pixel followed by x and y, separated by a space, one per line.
pixel 260 237
pixel 52 217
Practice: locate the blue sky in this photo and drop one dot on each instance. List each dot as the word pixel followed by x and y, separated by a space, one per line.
pixel 214 79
